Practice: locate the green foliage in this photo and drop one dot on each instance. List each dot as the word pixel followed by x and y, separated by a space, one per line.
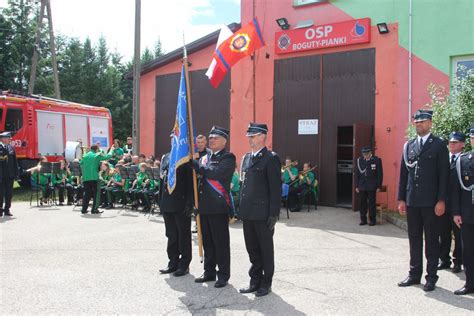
pixel 453 111
pixel 89 73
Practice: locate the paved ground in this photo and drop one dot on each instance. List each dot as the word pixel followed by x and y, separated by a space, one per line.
pixel 58 261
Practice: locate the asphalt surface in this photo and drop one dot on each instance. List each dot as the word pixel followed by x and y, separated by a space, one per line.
pixel 57 261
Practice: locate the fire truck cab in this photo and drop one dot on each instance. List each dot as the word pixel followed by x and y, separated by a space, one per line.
pixel 42 126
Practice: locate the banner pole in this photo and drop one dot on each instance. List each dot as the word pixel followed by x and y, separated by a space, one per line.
pixel 191 147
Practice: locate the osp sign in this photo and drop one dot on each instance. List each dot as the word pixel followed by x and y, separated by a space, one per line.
pixel 323 36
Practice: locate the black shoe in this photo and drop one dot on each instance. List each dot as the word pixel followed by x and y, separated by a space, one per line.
pixel 250 289
pixel 444 265
pixel 362 223
pixel 110 206
pixel 181 272
pixel 408 281
pixel 464 290
pixel 205 278
pixel 84 212
pixel 69 203
pixel 457 268
pixel 220 283
pixel 97 212
pixel 429 286
pixel 168 270
pixel 372 224
pixel 263 291
pixel 7 213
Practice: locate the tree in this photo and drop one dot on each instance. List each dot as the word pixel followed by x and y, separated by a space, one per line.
pixel 452 111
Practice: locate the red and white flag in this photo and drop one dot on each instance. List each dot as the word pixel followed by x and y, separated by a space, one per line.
pixel 214 72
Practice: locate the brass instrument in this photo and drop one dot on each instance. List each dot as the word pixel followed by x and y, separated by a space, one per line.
pixel 301 175
pixel 284 168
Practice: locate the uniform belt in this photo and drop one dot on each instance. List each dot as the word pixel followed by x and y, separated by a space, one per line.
pixel 5 157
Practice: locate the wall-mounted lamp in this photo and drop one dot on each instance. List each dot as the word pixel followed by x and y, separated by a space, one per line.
pixel 383 28
pixel 283 23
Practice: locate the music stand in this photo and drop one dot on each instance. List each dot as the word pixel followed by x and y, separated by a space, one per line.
pixel 46 167
pixel 123 171
pixel 156 173
pixel 149 173
pixel 75 168
pixel 132 172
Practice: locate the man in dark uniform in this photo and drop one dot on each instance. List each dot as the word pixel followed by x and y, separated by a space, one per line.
pixel 421 195
pixel 463 210
pixel 368 181
pixel 215 206
pixel 446 225
pixel 176 208
pixel 8 173
pixel 259 208
pixel 201 145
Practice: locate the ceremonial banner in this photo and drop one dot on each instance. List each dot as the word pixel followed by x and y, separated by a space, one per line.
pixel 179 143
pixel 216 73
pixel 242 43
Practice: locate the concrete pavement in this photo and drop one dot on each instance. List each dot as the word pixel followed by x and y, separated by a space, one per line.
pixel 55 260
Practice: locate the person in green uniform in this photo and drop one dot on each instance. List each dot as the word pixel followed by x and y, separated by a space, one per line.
pixel 117 152
pixel 90 177
pixel 104 178
pixel 59 181
pixel 306 183
pixel 290 177
pixel 235 190
pixel 42 180
pixel 116 187
pixel 137 186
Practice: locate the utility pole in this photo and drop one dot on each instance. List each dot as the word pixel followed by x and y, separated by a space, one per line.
pixel 34 61
pixel 136 81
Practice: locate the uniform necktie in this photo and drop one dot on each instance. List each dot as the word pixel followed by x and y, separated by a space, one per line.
pixel 453 157
pixel 421 143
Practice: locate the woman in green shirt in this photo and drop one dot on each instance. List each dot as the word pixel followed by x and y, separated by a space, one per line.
pixel 290 177
pixel 42 180
pixel 306 183
pixel 117 152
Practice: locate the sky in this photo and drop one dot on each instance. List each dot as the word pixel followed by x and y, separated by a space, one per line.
pixel 164 19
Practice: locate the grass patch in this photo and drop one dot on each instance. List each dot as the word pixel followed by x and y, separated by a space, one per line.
pixel 21 194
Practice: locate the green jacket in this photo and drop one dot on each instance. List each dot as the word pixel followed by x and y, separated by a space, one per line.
pixel 90 165
pixel 287 178
pixel 235 182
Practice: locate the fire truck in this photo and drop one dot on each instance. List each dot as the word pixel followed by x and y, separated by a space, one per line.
pixel 42 126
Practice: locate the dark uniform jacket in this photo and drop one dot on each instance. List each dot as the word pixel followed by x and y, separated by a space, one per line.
pixel 463 200
pixel 452 182
pixel 371 177
pixel 8 162
pixel 261 187
pixel 182 197
pixel 216 172
pixel 424 184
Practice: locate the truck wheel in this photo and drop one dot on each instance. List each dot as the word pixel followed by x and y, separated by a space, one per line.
pixel 25 181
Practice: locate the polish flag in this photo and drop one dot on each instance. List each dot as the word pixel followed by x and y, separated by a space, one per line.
pixel 215 73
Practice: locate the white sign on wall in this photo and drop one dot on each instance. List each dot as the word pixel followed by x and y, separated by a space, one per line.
pixel 308 127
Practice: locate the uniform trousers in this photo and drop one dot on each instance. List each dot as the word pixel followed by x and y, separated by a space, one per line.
pixel 367 202
pixel 6 193
pixel 91 191
pixel 423 219
pixel 467 233
pixel 259 243
pixel 178 232
pixel 216 244
pixel 446 229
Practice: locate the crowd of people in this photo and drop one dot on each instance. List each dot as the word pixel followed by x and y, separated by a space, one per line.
pixel 435 192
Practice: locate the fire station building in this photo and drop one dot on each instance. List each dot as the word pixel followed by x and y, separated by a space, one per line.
pixel 333 77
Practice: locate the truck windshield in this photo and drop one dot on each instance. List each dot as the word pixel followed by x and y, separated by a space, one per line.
pixel 14 120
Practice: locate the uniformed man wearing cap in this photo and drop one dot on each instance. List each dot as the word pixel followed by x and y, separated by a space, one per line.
pixel 215 206
pixel 463 210
pixel 368 181
pixel 447 228
pixel 8 173
pixel 421 196
pixel 259 208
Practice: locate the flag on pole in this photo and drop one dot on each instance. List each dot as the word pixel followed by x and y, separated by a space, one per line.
pixel 179 154
pixel 214 72
pixel 242 43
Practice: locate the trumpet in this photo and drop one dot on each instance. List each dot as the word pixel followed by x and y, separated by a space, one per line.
pixel 284 168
